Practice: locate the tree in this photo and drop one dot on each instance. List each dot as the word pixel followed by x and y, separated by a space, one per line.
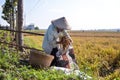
pixel 13 12
pixel 9 12
pixel 36 28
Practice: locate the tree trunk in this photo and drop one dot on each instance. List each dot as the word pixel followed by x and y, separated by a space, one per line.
pixel 20 24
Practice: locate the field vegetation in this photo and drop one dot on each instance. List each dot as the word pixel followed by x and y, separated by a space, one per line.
pixel 14 66
pixel 97 54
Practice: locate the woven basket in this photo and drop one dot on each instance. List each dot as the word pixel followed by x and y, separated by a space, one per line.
pixel 40 58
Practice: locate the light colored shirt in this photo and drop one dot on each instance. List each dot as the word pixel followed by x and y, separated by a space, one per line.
pixel 51 37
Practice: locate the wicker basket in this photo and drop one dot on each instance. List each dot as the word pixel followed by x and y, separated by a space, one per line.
pixel 40 58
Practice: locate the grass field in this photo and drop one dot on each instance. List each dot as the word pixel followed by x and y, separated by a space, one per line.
pixel 97 53
pixel 14 67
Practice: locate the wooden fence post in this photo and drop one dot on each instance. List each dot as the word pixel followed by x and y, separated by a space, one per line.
pixel 20 24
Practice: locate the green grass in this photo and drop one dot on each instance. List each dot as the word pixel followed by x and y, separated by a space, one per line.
pixel 12 69
pixel 98 57
pixel 34 41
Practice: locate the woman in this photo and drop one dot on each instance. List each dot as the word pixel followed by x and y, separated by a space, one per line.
pixel 56 30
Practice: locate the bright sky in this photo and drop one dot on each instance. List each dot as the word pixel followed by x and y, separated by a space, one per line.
pixel 81 14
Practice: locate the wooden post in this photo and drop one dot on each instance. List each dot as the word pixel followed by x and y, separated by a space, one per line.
pixel 13 20
pixel 20 24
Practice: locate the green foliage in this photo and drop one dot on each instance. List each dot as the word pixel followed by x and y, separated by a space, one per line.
pixel 11 69
pixel 34 41
pixel 97 57
pixel 7 9
pixel 5 36
pixel 36 28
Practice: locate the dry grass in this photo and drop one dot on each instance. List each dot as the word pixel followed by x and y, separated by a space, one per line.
pixel 98 56
pixel 94 34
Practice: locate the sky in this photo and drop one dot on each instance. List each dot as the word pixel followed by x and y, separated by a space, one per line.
pixel 80 14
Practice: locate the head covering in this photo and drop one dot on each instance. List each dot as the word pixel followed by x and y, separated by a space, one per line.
pixel 61 23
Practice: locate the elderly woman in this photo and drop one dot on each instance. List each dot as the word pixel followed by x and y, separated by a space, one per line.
pixel 55 31
pixel 57 42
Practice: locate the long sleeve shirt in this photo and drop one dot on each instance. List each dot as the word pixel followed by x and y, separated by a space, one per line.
pixel 51 37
